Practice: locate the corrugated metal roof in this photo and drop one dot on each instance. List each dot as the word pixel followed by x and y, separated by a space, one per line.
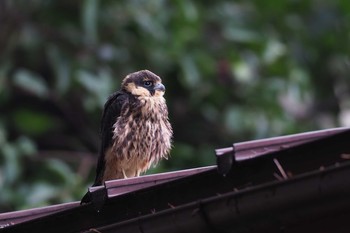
pixel 253 196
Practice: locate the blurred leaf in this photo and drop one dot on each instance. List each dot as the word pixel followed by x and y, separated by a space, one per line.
pixel 184 155
pixel 240 34
pixel 243 72
pixel 234 120
pixel 26 146
pixel 274 50
pixel 39 193
pixel 89 20
pixel 190 71
pixel 189 10
pixel 33 123
pixel 30 82
pixel 61 68
pixel 11 168
pixel 61 170
pixel 99 85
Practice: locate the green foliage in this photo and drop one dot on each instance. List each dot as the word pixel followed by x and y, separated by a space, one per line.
pixel 234 71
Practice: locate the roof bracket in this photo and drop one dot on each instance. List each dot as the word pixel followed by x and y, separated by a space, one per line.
pixel 98 198
pixel 224 160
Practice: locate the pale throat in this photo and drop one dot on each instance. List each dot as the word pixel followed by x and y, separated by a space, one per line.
pixel 150 105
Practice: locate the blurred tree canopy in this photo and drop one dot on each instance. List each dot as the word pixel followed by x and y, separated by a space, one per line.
pixel 234 71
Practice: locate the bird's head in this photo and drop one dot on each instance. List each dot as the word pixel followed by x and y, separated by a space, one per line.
pixel 143 83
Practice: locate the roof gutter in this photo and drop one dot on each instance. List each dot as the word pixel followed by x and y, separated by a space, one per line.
pixel 303 202
pixel 242 151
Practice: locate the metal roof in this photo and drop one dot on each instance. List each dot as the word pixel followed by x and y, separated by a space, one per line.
pixel 301 186
pixel 249 150
pixel 114 187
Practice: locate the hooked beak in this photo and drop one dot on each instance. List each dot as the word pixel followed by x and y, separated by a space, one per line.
pixel 159 87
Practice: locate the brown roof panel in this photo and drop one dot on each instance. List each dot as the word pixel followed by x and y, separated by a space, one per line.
pixel 253 196
pixel 15 217
pixel 252 149
pixel 316 202
pixel 117 187
pixel 114 188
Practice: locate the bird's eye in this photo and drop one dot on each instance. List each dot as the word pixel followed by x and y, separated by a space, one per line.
pixel 147 83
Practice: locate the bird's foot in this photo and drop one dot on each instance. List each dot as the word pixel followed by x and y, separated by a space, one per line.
pixel 124 174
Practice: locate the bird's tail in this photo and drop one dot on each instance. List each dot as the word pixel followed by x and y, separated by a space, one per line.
pixel 86 198
pixel 96 199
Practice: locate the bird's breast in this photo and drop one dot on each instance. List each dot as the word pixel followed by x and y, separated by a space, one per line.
pixel 142 133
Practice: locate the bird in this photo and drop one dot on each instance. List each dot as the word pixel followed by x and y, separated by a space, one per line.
pixel 135 131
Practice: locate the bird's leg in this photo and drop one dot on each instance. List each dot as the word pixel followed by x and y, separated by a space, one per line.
pixel 124 174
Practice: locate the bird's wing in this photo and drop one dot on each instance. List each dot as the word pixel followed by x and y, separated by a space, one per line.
pixel 111 112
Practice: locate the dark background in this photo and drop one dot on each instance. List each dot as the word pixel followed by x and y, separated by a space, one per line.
pixel 234 71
